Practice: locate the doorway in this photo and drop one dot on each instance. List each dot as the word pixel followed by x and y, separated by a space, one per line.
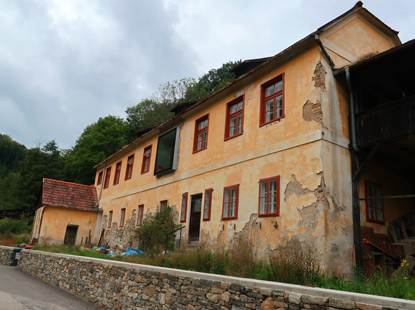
pixel 70 235
pixel 195 215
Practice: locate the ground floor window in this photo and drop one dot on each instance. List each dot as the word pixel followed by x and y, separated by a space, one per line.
pixel 207 204
pixel 269 196
pixel 109 219
pixel 140 214
pixel 374 203
pixel 122 217
pixel 230 202
pixel 163 205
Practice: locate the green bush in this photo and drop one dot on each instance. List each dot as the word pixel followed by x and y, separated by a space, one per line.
pixel 13 226
pixel 154 232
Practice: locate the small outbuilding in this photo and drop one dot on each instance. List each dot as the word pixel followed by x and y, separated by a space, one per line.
pixel 67 213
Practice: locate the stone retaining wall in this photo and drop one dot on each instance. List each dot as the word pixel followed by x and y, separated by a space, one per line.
pixel 119 285
pixel 6 255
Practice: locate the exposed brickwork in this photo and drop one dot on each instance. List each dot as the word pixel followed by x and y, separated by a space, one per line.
pixel 312 112
pixel 68 195
pixel 319 77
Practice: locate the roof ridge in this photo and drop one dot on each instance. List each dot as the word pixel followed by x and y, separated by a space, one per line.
pixel 72 183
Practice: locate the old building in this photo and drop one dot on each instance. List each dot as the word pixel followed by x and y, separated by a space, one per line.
pixel 67 213
pixel 271 157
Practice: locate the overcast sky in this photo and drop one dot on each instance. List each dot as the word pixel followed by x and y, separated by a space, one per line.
pixel 64 64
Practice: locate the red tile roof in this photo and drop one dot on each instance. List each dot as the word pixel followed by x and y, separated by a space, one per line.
pixel 68 195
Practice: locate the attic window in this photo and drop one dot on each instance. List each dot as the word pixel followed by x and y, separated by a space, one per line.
pixel 167 149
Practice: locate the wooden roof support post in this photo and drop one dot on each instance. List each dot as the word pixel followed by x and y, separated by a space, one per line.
pixel 357 171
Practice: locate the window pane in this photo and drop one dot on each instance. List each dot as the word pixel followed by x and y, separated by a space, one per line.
pixel 278 86
pixel 278 104
pixel 204 139
pixel 263 206
pixel 240 105
pixel 165 151
pixel 380 215
pixel 264 188
pixel 272 187
pixel 232 126
pixel 207 205
pixel 233 108
pixel 199 141
pixel 272 204
pixel 269 110
pixel 233 198
pixel 226 203
pixel 269 90
pixel 233 202
pixel 372 213
pixel 232 209
pixel 239 124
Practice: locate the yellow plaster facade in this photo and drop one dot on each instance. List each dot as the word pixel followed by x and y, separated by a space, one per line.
pixel 308 149
pixel 51 223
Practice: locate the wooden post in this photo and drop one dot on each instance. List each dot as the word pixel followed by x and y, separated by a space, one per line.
pixel 357 239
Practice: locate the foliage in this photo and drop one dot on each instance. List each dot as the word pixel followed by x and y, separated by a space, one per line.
pixel 39 163
pixel 212 81
pixel 98 141
pixel 238 260
pixel 154 232
pixel 13 226
pixel 11 153
pixel 294 263
pixel 22 170
pixel 152 112
pixel 147 113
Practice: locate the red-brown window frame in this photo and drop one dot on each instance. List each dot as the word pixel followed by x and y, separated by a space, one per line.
pixel 368 219
pixel 277 213
pixel 117 173
pixel 235 114
pixel 122 217
pixel 236 202
pixel 197 132
pixel 185 199
pixel 262 121
pixel 140 218
pixel 107 177
pixel 129 170
pixel 100 175
pixel 162 203
pixel 209 190
pixel 109 219
pixel 145 158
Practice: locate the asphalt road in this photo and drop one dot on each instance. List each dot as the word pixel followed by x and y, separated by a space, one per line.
pixel 20 291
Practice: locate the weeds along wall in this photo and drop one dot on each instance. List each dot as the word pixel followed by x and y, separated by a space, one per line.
pixel 118 285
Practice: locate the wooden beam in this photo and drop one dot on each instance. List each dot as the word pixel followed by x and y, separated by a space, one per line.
pixel 389 197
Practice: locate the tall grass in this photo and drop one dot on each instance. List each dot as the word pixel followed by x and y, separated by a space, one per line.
pixel 293 263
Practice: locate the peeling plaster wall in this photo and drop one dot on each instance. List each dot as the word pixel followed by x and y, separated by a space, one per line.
pixel 312 210
pixel 307 149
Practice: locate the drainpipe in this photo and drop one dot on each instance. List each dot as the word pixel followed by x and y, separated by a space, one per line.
pixel 102 184
pixel 357 239
pixel 352 111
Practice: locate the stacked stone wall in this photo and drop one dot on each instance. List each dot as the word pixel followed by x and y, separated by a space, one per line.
pixel 5 255
pixel 119 285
